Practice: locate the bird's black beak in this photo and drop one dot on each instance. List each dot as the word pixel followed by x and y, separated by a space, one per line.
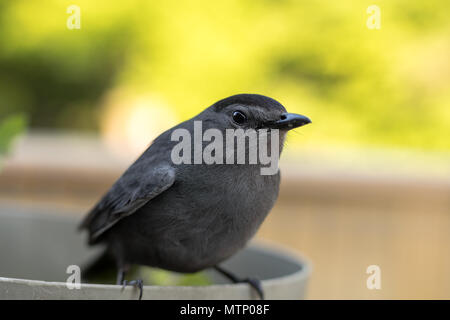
pixel 289 121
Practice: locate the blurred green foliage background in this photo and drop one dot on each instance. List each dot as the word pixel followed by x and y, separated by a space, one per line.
pixel 387 87
pixel 10 127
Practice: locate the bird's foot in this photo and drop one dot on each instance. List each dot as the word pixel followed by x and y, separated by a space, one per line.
pixel 138 284
pixel 255 284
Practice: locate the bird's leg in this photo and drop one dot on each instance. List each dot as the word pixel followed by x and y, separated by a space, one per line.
pixel 121 275
pixel 136 283
pixel 254 283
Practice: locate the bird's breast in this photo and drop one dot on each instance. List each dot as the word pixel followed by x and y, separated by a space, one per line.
pixel 226 208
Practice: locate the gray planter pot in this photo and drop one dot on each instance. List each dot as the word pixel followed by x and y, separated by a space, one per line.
pixel 36 249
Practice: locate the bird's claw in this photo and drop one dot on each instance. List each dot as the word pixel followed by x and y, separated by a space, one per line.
pixel 139 284
pixel 255 284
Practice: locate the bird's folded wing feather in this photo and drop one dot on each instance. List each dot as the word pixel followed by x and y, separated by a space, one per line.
pixel 137 186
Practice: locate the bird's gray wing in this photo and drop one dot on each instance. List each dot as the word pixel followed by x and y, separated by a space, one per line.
pixel 137 186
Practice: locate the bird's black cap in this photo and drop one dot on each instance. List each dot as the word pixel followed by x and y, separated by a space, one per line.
pixel 249 100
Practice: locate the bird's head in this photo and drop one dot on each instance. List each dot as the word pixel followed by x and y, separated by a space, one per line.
pixel 254 111
pixel 257 123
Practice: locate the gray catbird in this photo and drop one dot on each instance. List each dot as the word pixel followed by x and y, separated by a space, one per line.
pixel 188 217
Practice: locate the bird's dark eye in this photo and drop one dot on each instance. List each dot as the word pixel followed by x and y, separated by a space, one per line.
pixel 239 117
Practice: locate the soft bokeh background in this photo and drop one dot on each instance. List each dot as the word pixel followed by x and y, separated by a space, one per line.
pixel 367 183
